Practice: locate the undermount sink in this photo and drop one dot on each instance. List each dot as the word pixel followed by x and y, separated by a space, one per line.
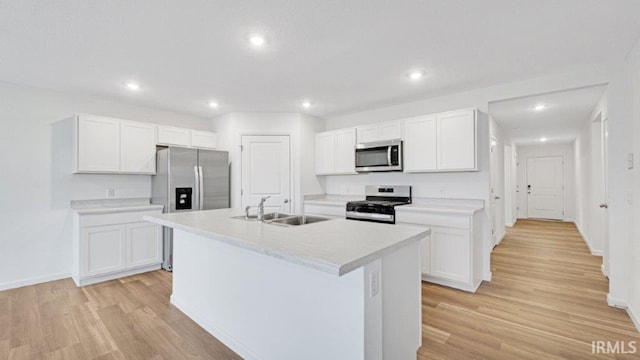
pixel 267 216
pixel 283 219
pixel 298 220
pixel 275 216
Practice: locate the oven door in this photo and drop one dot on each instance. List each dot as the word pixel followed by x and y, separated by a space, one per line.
pixel 379 156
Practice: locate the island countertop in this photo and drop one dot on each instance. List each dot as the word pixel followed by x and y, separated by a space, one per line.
pixel 335 246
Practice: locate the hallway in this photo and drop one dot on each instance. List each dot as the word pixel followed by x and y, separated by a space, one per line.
pixel 547 300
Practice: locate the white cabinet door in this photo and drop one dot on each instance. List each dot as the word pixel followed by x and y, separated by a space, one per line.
pixel 368 133
pixel 103 250
pixel 457 140
pixel 204 139
pixel 420 144
pixel 143 244
pixel 137 147
pixel 345 162
pixel 390 130
pixel 450 254
pixel 98 144
pixel 169 135
pixel 325 152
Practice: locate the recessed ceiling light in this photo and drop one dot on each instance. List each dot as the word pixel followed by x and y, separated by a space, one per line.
pixel 257 40
pixel 416 75
pixel 543 139
pixel 133 86
pixel 539 107
pixel 213 104
pixel 306 104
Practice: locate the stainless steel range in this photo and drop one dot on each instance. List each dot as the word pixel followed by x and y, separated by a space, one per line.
pixel 380 203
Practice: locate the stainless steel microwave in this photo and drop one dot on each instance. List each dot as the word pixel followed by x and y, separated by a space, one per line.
pixel 379 156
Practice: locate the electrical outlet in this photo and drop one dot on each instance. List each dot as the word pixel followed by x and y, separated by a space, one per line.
pixel 374 283
pixel 111 192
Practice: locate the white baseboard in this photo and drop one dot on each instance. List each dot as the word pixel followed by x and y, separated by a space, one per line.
pixel 586 240
pixel 634 317
pixel 33 281
pixel 235 345
pixel 504 234
pixel 615 302
pixel 604 272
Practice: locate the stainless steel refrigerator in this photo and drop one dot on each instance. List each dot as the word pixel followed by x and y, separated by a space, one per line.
pixel 189 180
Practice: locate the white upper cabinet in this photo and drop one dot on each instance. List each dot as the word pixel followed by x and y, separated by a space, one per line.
pixel 457 140
pixel 367 133
pixel 169 135
pixel 441 142
pixel 345 151
pixel 388 130
pixel 107 145
pixel 325 153
pixel 174 136
pixel 97 144
pixel 335 152
pixel 137 147
pixel 420 149
pixel 204 139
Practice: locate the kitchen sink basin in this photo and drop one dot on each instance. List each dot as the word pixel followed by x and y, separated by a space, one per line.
pixel 267 216
pixel 298 220
pixel 275 216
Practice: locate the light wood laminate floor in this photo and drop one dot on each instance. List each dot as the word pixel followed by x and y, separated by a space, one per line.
pixel 546 301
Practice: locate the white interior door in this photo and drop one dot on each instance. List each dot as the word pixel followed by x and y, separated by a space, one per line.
pixel 604 206
pixel 545 187
pixel 266 171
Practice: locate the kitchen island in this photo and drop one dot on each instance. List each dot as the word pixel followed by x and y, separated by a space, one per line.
pixel 335 289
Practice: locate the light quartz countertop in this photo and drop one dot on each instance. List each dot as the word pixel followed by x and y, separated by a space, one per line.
pixel 335 246
pixel 84 207
pixel 454 207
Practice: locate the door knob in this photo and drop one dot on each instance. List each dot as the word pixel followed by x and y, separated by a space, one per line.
pixel 604 206
pixel 497 197
pixel 286 201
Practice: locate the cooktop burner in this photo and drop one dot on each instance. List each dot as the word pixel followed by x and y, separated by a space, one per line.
pixel 379 204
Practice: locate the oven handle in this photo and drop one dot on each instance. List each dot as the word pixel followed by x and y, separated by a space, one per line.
pixel 369 216
pixel 389 156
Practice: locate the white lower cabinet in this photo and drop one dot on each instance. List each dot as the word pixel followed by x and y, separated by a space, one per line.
pixel 452 254
pixel 112 245
pixel 448 256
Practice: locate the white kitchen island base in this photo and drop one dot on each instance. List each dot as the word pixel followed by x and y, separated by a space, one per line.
pixel 265 308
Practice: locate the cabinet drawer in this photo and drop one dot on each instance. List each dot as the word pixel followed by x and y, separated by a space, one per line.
pixel 115 218
pixel 432 219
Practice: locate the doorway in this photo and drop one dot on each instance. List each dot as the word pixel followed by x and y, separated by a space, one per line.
pixel 545 187
pixel 266 172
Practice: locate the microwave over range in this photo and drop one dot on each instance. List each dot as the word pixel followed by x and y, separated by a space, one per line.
pixel 379 156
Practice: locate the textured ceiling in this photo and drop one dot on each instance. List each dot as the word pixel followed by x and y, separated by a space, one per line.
pixel 341 55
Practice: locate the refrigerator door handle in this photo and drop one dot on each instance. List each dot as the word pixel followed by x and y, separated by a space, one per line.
pixel 201 189
pixel 196 195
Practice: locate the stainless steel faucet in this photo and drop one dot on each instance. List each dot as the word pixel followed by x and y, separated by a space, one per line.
pixel 261 208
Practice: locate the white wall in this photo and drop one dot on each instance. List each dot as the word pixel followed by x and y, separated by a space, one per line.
pixel 633 71
pixel 301 128
pixel 589 217
pixel 37 185
pixel 510 182
pixel 498 178
pixel 564 150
